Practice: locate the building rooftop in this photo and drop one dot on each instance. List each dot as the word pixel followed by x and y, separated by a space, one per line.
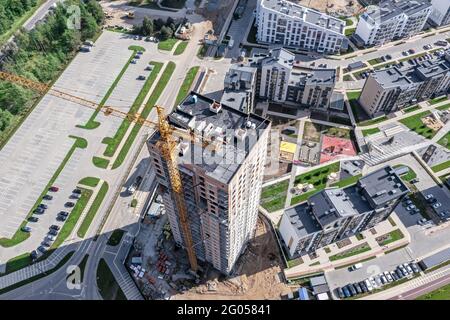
pixel 389 9
pixel 382 186
pixel 234 134
pixel 300 217
pixel 308 15
pixel 281 56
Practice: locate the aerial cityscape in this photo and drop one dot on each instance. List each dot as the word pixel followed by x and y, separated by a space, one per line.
pixel 225 150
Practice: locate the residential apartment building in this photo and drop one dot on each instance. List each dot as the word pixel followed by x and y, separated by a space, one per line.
pixel 221 181
pixel 275 78
pixel 240 88
pixel 393 88
pixel 440 15
pixel 291 25
pixel 392 20
pixel 338 213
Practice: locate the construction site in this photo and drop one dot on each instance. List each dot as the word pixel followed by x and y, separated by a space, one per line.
pixel 333 7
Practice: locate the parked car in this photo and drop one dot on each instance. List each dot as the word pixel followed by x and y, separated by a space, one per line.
pixel 410 207
pixel 141 77
pixel 394 275
pixel 76 191
pixel 33 255
pixel 429 196
pixel 46 243
pixel 53 232
pixel 33 219
pixel 61 218
pixel 26 229
pixel 399 273
pixel 411 51
pixel 408 268
pixel 340 293
pixel 383 279
pixel 55 227
pixel 437 205
pixel 63 213
pixel 414 267
pixel 346 292
pixel 352 289
pixel 388 276
pixel 69 204
pixel 137 56
pixel 358 288
pixel 75 196
pixel 368 284
pixel 47 197
pixel 39 210
pixel 42 249
pixel 355 267
pixel 53 189
pixel 388 57
pixel 133 61
pixel 51 237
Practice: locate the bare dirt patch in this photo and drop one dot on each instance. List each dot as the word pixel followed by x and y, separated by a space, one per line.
pixel 332 7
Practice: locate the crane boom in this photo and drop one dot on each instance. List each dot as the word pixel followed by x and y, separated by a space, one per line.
pixel 167 146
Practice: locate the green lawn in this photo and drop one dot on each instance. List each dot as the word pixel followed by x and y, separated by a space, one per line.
pixel 187 84
pixel 349 31
pixel 113 143
pixel 316 177
pixel 373 121
pixel 391 237
pixel 100 162
pixel 411 109
pixel 90 181
pixel 107 285
pixel 347 182
pixel 444 107
pixel 92 124
pixel 20 236
pixel 351 252
pixel 441 166
pixel 445 140
pixel 180 48
pixel 167 45
pixel 415 124
pixel 17 263
pixel 73 218
pixel 375 61
pixel 368 132
pixel 93 210
pixel 357 110
pixel 39 276
pixel 273 197
pixel 116 237
pixel 442 293
pixel 136 48
pixel 157 91
pixel 17 24
pixel 437 100
pixel 407 176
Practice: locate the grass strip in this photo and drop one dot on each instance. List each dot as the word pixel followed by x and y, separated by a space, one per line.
pixel 93 210
pixel 107 285
pixel 157 91
pixel 114 142
pixel 90 181
pixel 100 162
pixel 167 45
pixel 187 84
pixel 20 235
pixel 180 48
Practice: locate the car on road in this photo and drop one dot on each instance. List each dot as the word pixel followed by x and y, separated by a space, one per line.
pixel 33 219
pixel 53 189
pixel 437 205
pixel 69 204
pixel 47 197
pixel 42 249
pixel 53 232
pixel 26 229
pixel 55 227
pixel 76 191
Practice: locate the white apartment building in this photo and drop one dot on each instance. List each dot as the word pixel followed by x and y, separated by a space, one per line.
pixel 291 25
pixel 221 187
pixel 392 20
pixel 440 15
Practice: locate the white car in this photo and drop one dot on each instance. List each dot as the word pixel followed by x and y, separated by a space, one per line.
pixel 410 207
pixel 373 282
pixel 368 284
pixel 408 268
pixel 51 238
pixel 437 205
pixel 388 276
pixel 429 196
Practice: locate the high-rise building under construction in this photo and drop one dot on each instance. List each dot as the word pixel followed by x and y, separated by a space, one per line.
pixel 221 178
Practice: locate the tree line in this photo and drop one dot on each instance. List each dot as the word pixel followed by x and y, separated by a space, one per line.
pixel 11 10
pixel 165 29
pixel 40 54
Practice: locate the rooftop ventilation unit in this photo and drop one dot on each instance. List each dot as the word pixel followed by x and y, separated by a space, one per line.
pixel 240 134
pixel 215 107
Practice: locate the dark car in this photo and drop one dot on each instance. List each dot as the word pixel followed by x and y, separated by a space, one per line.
pixel 76 191
pixel 47 197
pixel 33 219
pixel 340 293
pixel 33 254
pixel 414 267
pixel 39 210
pixel 399 273
pixel 411 51
pixel 43 206
pixel 394 275
pixel 55 227
pixel 63 213
pixel 363 287
pixel 69 204
pixel 61 218
pixel 358 288
pixel 346 292
pixel 42 249
pixel 53 232
pixel 388 57
pixel 46 244
pixel 352 290
pixel 141 78
pixel 53 189
pixel 26 229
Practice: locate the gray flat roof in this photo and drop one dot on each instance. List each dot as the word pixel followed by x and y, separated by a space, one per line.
pixel 382 186
pixel 309 15
pixel 389 9
pixel 436 259
pixel 194 113
pixel 302 220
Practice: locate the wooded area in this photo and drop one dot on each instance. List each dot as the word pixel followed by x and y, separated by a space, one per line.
pixel 41 54
pixel 11 10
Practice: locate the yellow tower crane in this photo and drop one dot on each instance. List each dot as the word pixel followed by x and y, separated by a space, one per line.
pixel 167 145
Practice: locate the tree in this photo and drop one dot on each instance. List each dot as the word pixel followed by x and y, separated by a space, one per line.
pixel 166 33
pixel 147 27
pixel 158 23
